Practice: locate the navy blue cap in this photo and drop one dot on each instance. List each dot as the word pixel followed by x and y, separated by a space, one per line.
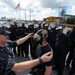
pixel 4 31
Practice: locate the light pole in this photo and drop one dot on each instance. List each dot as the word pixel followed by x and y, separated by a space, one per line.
pixel 25 14
pixel 30 14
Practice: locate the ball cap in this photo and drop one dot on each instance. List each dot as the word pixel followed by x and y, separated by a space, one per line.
pixel 4 31
pixel 46 25
pixel 59 28
pixel 52 25
pixel 36 26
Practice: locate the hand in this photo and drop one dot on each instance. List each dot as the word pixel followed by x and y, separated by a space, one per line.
pixel 31 34
pixel 46 57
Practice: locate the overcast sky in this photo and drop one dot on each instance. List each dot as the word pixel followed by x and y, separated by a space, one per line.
pixel 39 9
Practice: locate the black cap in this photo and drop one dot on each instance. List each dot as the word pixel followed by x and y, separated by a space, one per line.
pixel 4 31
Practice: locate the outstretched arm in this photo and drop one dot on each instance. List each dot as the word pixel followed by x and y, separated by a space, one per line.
pixel 22 40
pixel 18 67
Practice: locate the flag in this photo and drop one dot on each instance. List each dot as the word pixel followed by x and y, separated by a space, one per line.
pixel 17 6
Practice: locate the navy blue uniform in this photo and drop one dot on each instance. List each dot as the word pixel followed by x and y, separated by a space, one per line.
pixel 6 63
pixel 12 35
pixel 61 51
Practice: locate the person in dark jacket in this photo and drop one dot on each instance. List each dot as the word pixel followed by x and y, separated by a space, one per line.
pixel 61 50
pixel 71 48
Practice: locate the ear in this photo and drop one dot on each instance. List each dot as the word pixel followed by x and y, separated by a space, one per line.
pixel 47 36
pixel 44 38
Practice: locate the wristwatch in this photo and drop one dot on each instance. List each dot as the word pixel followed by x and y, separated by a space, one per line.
pixel 40 60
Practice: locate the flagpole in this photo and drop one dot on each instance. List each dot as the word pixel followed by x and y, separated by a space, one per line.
pixel 25 14
pixel 19 11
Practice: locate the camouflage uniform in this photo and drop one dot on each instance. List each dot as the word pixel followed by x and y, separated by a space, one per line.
pixel 6 62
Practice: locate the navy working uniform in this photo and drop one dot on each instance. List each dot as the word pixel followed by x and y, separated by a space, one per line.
pixel 6 63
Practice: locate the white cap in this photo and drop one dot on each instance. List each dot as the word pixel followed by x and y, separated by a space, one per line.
pixel 46 25
pixel 36 26
pixel 52 25
pixel 30 24
pixel 60 27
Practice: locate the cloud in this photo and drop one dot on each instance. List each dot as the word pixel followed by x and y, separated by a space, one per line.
pixel 39 9
pixel 53 3
pixel 9 3
pixel 73 10
pixel 72 2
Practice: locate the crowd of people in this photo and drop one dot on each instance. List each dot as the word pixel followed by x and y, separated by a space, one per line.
pixel 42 38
